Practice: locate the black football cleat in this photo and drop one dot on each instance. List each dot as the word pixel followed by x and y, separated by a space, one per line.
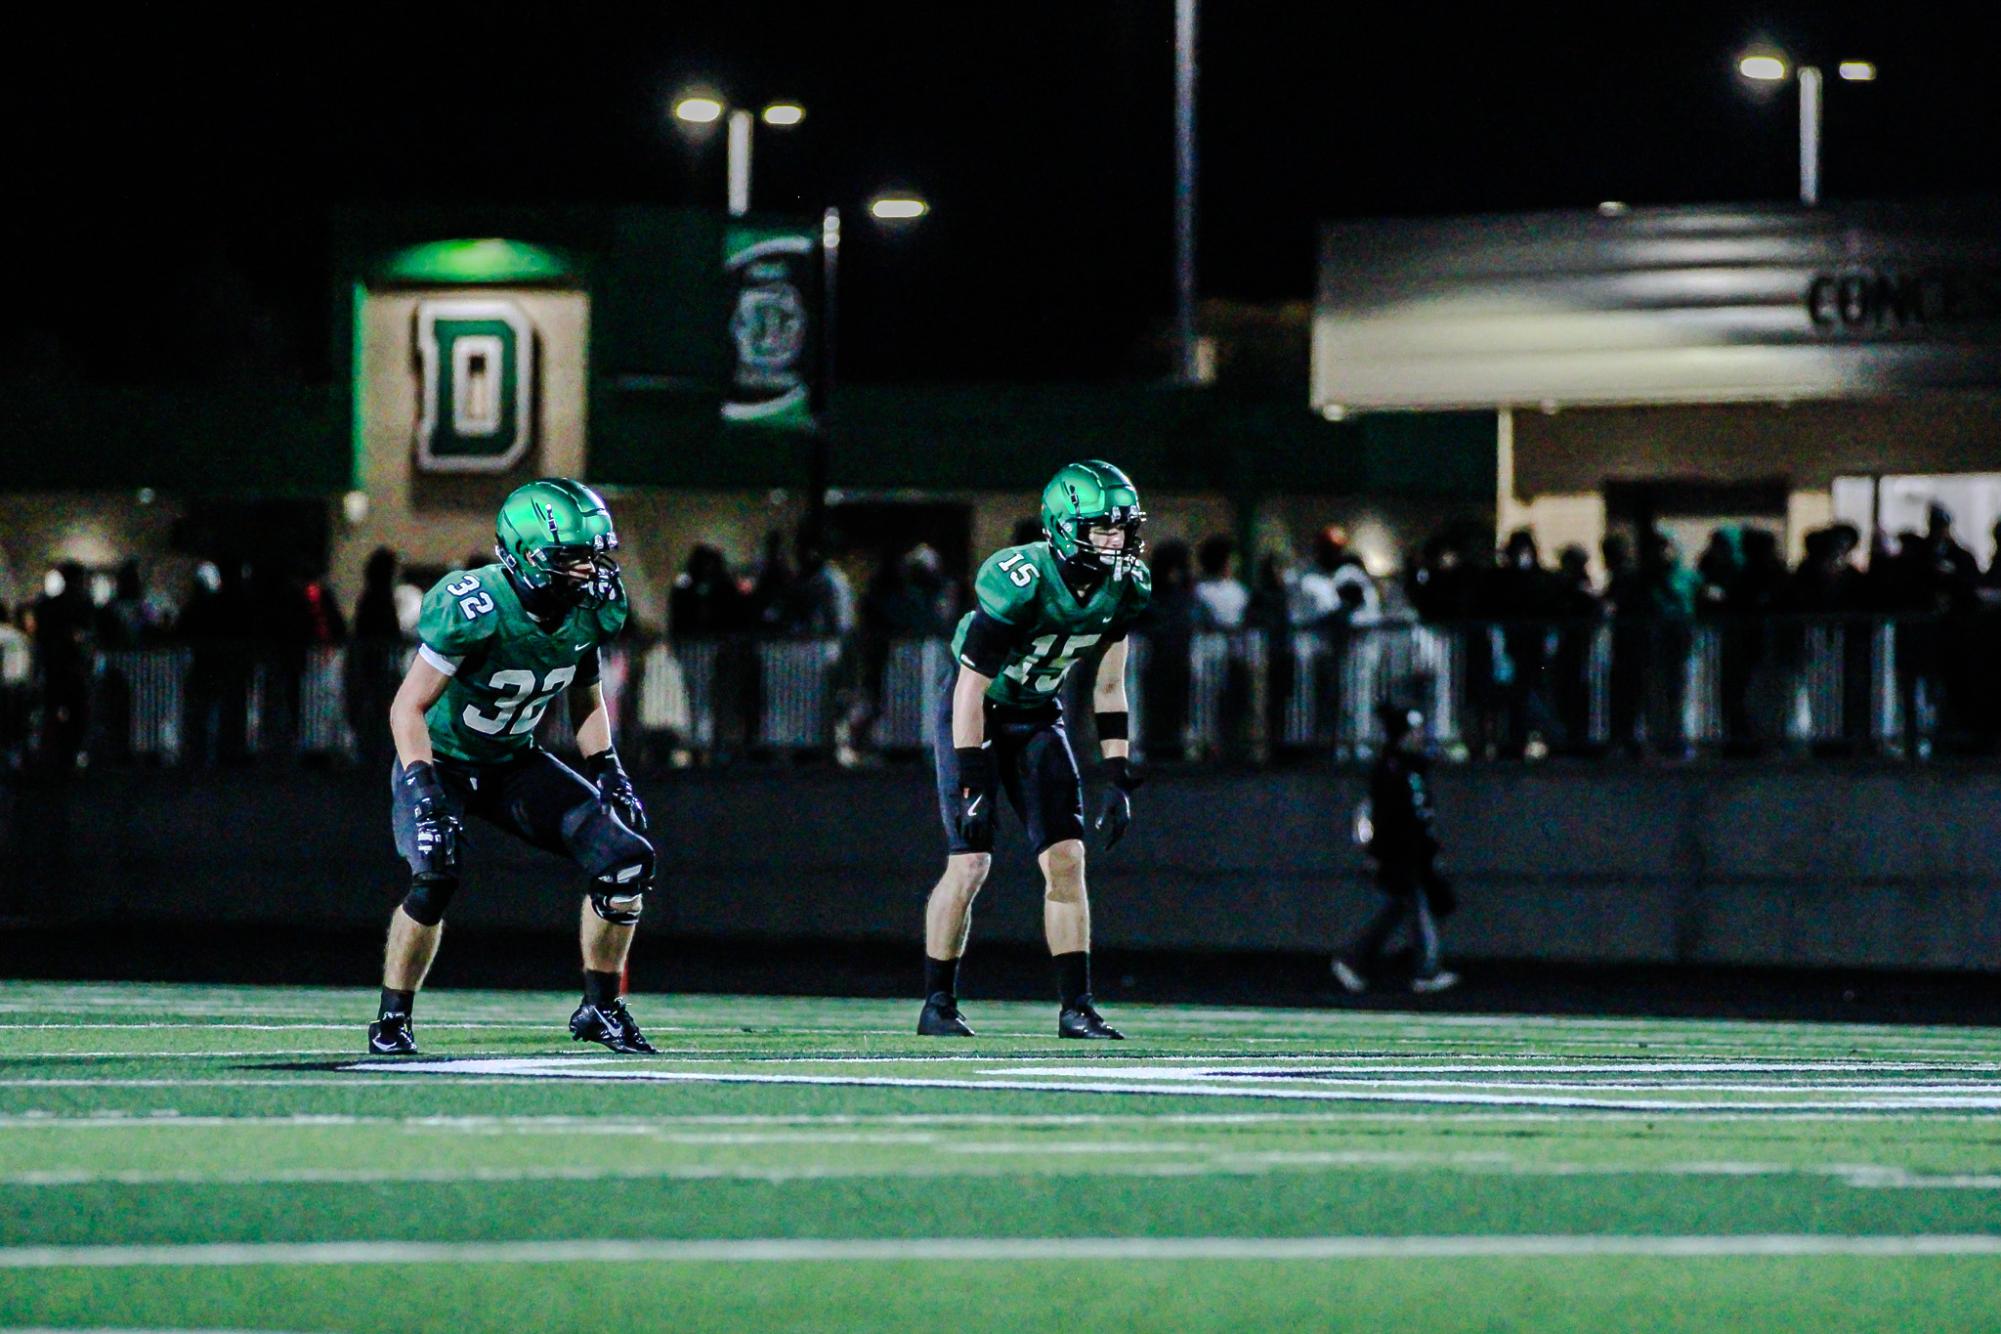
pixel 1084 1021
pixel 613 1025
pixel 941 1018
pixel 391 1035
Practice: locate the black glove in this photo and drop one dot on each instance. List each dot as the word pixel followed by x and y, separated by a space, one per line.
pixel 438 829
pixel 615 789
pixel 973 818
pixel 1116 815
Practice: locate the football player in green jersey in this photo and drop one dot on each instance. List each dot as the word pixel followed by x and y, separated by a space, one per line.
pixel 1042 608
pixel 499 643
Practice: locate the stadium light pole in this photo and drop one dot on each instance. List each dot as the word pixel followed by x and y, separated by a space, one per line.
pixel 1184 189
pixel 1769 68
pixel 703 109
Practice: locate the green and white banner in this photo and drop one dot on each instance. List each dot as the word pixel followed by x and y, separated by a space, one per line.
pixel 774 293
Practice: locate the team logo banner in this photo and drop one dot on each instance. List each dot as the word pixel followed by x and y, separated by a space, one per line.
pixel 773 278
pixel 476 359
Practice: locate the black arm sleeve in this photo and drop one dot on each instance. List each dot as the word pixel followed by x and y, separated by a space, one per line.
pixel 989 642
pixel 588 669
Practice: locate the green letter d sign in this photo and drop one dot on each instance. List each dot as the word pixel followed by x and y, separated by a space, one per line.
pixel 477 396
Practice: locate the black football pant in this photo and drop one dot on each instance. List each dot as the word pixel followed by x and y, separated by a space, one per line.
pixel 1033 761
pixel 1404 901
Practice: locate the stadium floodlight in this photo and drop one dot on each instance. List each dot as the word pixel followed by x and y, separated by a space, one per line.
pixel 699 110
pixel 784 113
pixel 898 208
pixel 1766 67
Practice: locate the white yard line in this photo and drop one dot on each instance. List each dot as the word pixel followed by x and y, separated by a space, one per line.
pixel 1359 1091
pixel 351 1027
pixel 550 1125
pixel 1350 1065
pixel 1111 1160
pixel 787 1250
pixel 59 1055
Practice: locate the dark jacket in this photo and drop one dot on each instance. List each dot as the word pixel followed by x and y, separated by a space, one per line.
pixel 1400 810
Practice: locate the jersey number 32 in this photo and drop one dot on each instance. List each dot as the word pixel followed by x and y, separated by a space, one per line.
pixel 521 701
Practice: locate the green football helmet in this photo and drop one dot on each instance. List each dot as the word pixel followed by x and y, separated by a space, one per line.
pixel 1087 495
pixel 555 538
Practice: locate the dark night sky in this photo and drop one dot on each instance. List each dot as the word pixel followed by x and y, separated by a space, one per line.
pixel 197 158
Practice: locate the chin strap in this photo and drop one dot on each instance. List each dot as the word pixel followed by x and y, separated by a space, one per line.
pixel 1083 576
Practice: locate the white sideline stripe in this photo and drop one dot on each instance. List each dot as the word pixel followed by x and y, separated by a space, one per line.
pixel 1388 1091
pixel 1392 1077
pixel 1503 1065
pixel 353 1027
pixel 152 1120
pixel 1061 1249
pixel 1196 1161
pixel 196 1083
pixel 179 1056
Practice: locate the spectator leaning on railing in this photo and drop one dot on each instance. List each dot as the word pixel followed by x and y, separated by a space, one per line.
pixel 64 645
pixel 374 665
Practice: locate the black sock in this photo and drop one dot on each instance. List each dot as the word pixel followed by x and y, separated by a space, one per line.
pixel 396 1002
pixel 1073 977
pixel 941 975
pixel 600 989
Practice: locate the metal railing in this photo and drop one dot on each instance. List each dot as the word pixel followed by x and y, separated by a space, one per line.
pixel 1861 685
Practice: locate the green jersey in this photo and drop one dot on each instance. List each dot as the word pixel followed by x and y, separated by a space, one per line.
pixel 1022 587
pixel 504 666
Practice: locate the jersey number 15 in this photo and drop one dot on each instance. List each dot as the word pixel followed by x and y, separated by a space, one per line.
pixel 1048 661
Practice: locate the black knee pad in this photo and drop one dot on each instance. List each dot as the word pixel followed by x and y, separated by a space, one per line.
pixel 619 891
pixel 428 898
pixel 605 848
pixel 619 860
pixel 620 907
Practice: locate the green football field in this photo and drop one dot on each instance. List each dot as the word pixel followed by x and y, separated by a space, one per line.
pixel 224 1158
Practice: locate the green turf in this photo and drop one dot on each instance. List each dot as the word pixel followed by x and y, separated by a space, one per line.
pixel 237 1119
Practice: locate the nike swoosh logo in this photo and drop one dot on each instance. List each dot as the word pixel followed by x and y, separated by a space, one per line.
pixel 974 808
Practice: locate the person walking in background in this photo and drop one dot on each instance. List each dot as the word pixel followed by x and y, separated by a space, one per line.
pixel 1397 831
